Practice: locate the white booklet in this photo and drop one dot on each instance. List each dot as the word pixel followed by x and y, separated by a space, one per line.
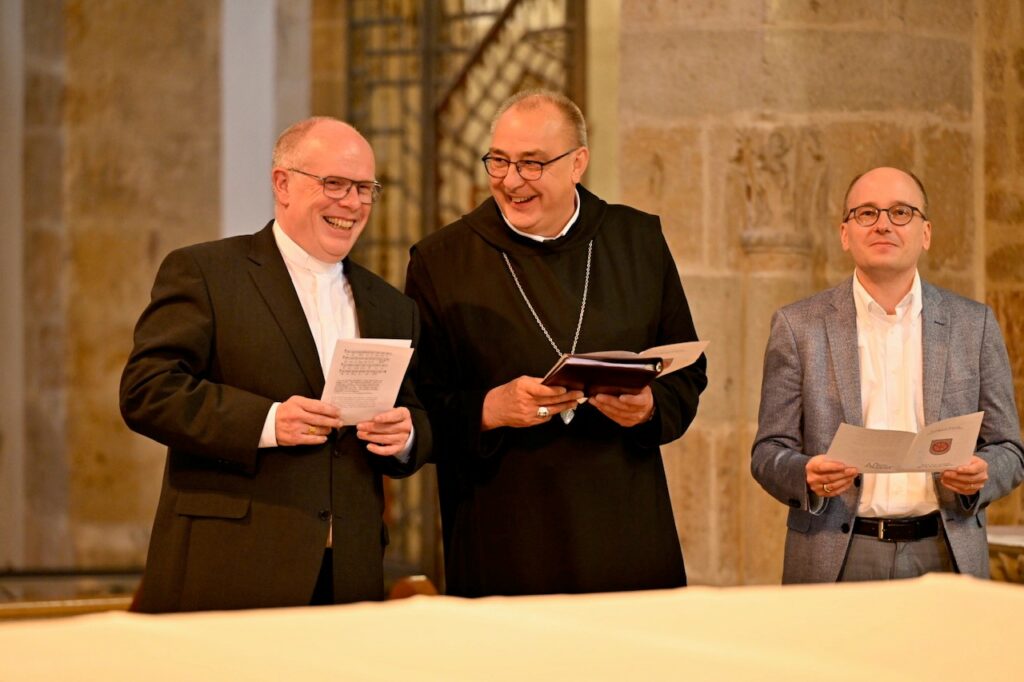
pixel 365 375
pixel 943 445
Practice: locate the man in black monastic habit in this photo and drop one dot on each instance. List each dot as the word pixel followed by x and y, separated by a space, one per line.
pixel 539 493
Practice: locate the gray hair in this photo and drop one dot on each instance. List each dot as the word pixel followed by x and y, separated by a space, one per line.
pixel 289 140
pixel 533 98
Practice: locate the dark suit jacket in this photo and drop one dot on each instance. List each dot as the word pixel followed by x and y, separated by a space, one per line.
pixel 812 384
pixel 238 526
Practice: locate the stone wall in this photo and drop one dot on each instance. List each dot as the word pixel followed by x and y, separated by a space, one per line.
pixel 742 123
pixel 121 165
pixel 1001 88
pixel 47 254
pixel 328 63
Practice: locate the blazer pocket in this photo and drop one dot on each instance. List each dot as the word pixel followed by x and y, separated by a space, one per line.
pixel 798 520
pixel 960 384
pixel 212 504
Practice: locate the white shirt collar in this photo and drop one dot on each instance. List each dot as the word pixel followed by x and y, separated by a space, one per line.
pixel 910 304
pixel 297 256
pixel 539 238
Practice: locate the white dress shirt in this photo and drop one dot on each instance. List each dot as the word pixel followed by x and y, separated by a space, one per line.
pixel 892 397
pixel 327 301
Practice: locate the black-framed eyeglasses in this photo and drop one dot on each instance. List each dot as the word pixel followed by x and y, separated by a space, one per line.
pixel 528 169
pixel 368 191
pixel 899 214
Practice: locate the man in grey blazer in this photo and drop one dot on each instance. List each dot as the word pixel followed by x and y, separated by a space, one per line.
pixel 270 496
pixel 884 350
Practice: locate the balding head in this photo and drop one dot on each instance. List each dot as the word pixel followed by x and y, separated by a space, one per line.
pixel 305 154
pixel 317 130
pixel 527 100
pixel 886 173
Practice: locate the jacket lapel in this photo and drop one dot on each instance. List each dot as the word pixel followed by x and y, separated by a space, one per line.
pixel 367 313
pixel 270 275
pixel 841 329
pixel 935 350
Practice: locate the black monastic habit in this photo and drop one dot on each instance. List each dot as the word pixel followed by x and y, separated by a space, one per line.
pixel 578 507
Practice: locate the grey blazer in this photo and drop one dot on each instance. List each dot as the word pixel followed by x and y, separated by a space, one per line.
pixel 812 383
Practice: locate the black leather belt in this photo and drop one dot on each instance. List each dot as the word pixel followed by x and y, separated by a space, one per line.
pixel 898 530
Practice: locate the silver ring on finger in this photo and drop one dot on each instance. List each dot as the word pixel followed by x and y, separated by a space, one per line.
pixel 828 490
pixel 543 412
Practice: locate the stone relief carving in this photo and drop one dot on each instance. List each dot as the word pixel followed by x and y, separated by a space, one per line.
pixel 782 174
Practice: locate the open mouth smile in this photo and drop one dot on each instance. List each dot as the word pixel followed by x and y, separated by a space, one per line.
pixel 339 223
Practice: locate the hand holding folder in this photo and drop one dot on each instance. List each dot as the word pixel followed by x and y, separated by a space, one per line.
pixel 618 372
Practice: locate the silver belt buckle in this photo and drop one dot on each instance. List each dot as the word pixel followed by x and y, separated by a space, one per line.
pixel 881 529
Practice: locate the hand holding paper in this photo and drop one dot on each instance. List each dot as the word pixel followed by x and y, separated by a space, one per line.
pixel 365 375
pixel 943 445
pixel 387 433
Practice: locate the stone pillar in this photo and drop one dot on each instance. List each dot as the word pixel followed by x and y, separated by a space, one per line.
pixel 329 58
pixel 293 51
pixel 47 256
pixel 12 339
pixel 141 133
pixel 741 125
pixel 248 113
pixel 1002 88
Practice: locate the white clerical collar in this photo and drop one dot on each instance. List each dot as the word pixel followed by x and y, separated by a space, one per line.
pixel 539 238
pixel 911 303
pixel 297 256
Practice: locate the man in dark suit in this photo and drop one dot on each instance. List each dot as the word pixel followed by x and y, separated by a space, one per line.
pixel 885 350
pixel 269 497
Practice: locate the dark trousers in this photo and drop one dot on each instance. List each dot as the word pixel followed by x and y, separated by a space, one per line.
pixel 323 592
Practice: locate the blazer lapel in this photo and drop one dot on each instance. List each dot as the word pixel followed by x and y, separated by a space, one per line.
pixel 367 313
pixel 271 277
pixel 934 350
pixel 841 329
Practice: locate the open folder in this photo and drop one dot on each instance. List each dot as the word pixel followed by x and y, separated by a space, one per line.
pixel 618 372
pixel 941 445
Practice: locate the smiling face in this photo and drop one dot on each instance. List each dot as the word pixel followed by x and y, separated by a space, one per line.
pixel 885 252
pixel 325 228
pixel 540 132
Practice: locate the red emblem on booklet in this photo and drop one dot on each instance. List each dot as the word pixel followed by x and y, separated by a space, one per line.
pixel 940 446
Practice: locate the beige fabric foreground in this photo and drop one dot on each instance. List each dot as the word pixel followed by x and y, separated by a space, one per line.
pixel 939 627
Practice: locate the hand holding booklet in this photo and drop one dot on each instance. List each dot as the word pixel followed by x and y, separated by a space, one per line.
pixel 618 372
pixel 943 445
pixel 365 375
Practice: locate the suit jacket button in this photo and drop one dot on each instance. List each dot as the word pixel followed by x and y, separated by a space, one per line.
pixel 845 528
pixel 324 514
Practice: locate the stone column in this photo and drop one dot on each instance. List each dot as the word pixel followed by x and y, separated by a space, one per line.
pixel 1001 43
pixel 47 255
pixel 141 133
pixel 12 338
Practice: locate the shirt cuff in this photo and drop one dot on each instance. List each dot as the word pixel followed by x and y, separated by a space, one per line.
pixel 403 456
pixel 268 438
